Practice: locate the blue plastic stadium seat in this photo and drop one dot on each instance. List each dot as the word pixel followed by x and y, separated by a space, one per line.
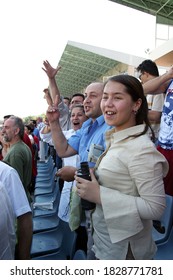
pixel 43 211
pixel 166 222
pixel 46 187
pixel 53 256
pixel 45 176
pixel 48 161
pixel 46 242
pixel 80 255
pixel 165 250
pixel 43 197
pixel 45 223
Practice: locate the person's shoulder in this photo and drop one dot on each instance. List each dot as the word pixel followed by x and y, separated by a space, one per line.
pixel 68 133
pixel 7 170
pixel 4 166
pixel 86 124
pixel 169 86
pixel 22 146
pixel 101 122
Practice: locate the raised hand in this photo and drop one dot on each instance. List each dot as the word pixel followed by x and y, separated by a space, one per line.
pixel 52 112
pixel 49 70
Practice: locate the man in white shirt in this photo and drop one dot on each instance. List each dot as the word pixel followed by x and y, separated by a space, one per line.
pixel 7 226
pixel 148 70
pixel 21 209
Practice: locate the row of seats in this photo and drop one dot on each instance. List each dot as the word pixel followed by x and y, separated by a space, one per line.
pixel 52 238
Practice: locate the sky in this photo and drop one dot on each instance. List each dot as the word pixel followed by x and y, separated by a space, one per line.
pixel 32 31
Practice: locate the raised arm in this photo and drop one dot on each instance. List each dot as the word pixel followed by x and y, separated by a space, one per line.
pixel 158 84
pixel 59 140
pixel 47 96
pixel 51 73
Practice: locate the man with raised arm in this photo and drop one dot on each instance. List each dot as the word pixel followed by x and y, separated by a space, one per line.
pixel 164 84
pixel 91 134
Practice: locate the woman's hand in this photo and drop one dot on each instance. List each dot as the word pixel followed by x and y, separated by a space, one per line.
pixel 52 112
pixel 88 190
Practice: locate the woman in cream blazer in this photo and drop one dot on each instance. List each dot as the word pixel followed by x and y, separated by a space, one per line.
pixel 128 183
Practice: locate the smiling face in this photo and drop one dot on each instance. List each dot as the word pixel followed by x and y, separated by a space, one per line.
pixel 77 117
pixel 118 107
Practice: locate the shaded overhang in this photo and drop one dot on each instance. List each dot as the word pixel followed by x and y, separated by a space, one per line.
pixel 82 64
pixel 162 9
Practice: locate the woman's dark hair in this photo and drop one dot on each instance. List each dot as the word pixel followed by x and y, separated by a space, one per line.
pixel 135 90
pixel 30 127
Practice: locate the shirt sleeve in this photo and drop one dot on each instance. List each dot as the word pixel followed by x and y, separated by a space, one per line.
pixel 147 171
pixel 16 193
pixel 158 102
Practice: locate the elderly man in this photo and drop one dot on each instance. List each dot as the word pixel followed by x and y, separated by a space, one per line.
pixel 18 155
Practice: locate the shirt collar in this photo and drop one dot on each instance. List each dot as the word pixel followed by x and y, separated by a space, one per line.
pixel 120 135
pixel 100 120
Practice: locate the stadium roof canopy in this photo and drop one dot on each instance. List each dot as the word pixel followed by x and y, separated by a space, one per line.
pixel 162 9
pixel 79 68
pixel 82 64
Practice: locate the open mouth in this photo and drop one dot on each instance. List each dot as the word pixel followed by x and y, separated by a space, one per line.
pixel 76 123
pixel 87 108
pixel 110 113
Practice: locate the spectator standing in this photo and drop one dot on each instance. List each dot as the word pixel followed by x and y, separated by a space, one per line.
pixel 164 84
pixel 40 123
pixel 35 149
pixel 21 211
pixel 7 227
pixel 129 193
pixel 77 98
pixel 148 70
pixel 66 100
pixel 27 141
pixel 19 155
pixel 29 128
pixel 91 132
pixel 77 118
pixel 4 146
pixel 35 130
